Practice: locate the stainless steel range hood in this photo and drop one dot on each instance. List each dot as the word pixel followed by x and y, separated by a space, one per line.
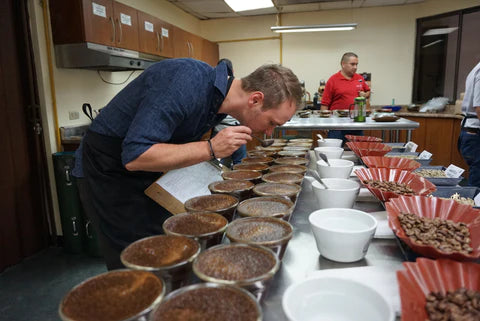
pixel 99 57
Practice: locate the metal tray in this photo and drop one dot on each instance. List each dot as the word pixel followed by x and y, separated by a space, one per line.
pixel 441 181
pixel 463 191
pixel 397 147
pixel 423 162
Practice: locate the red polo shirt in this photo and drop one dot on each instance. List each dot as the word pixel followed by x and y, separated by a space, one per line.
pixel 340 92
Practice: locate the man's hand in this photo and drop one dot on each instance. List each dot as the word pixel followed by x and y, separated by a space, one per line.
pixel 230 139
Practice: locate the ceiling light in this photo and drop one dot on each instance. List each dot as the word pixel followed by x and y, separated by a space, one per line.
pixel 432 43
pixel 439 31
pixel 313 28
pixel 243 5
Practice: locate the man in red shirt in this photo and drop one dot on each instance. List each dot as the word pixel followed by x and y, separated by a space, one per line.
pixel 341 90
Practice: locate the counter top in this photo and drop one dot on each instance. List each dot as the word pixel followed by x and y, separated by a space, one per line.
pixel 451 111
pixel 302 257
pixel 345 123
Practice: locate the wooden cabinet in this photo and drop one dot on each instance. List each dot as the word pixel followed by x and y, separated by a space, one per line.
pixel 209 52
pixel 126 26
pixel 99 24
pixel 111 23
pixel 187 45
pixel 104 22
pixel 155 35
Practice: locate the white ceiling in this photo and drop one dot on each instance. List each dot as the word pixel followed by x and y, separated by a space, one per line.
pixel 214 9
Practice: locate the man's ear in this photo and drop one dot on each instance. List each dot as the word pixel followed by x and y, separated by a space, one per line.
pixel 255 99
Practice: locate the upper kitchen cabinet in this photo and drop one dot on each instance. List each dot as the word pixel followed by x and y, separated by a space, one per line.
pixel 155 36
pixel 187 45
pixel 104 22
pixel 126 26
pixel 210 52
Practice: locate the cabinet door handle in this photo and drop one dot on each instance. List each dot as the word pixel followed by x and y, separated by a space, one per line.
pixel 158 42
pixel 193 50
pixel 113 29
pixel 121 32
pixel 161 47
pixel 189 49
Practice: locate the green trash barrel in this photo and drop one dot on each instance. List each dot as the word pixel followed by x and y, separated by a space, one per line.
pixel 71 215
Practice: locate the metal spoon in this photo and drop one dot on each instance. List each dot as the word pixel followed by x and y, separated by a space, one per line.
pixel 324 158
pixel 315 175
pixel 264 142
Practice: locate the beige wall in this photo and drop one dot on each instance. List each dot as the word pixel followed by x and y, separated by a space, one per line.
pixel 384 41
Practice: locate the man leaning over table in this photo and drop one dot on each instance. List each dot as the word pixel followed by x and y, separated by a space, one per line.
pixel 341 90
pixel 155 124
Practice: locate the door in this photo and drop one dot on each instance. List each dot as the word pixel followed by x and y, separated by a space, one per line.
pixel 181 45
pixel 155 36
pixel 25 206
pixel 165 36
pixel 126 26
pixel 210 52
pixel 99 22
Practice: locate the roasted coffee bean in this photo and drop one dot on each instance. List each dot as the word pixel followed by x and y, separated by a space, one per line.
pixel 386 186
pixel 445 235
pixel 458 305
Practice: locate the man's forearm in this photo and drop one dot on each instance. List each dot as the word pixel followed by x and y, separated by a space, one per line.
pixel 163 157
pixel 477 110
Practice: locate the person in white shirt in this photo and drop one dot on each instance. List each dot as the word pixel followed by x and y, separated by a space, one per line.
pixel 469 140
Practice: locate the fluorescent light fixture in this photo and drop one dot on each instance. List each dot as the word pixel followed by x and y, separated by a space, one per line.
pixel 432 43
pixel 439 31
pixel 244 5
pixel 313 28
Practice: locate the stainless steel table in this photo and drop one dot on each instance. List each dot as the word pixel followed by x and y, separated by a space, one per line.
pixel 345 123
pixel 302 256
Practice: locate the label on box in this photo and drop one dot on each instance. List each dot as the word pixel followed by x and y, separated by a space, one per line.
pixel 165 32
pixel 148 26
pixel 453 171
pixel 126 19
pixel 99 10
pixel 425 155
pixel 410 147
pixel 477 200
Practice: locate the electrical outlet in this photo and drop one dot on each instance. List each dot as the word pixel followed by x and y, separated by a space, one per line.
pixel 72 115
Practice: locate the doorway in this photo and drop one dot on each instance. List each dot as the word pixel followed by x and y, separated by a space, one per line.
pixel 25 201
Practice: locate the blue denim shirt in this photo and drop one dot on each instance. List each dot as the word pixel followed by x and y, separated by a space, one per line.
pixel 174 101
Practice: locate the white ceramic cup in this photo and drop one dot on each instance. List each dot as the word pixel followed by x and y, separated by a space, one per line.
pixel 339 168
pixel 341 192
pixel 335 298
pixel 331 152
pixel 342 235
pixel 330 142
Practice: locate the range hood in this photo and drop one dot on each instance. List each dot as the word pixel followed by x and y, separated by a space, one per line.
pixel 99 57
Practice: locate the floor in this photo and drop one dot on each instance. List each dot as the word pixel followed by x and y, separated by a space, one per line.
pixel 33 289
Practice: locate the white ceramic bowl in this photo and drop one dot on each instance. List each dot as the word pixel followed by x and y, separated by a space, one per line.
pixel 341 192
pixel 342 235
pixel 339 168
pixel 330 142
pixel 331 152
pixel 334 299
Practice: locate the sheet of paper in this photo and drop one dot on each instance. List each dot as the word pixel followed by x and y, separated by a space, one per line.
pixel 192 181
pixel 453 171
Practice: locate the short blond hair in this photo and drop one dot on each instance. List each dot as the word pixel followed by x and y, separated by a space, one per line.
pixel 277 83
